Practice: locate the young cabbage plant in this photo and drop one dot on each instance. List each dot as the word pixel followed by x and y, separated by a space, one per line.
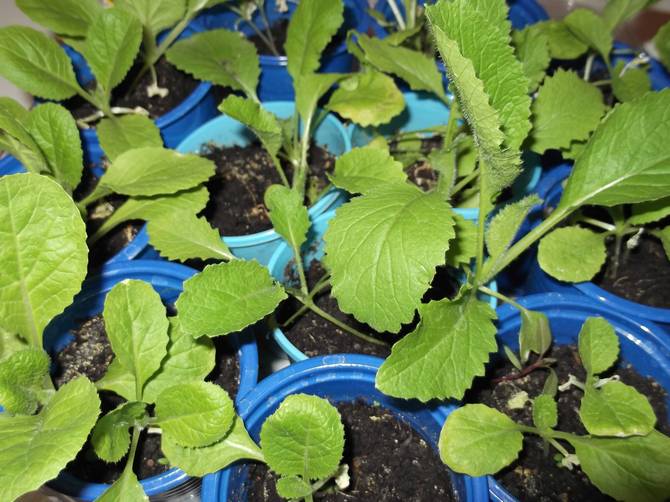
pixel 622 454
pixel 43 254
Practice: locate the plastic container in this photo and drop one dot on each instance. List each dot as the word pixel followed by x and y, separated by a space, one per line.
pixel 167 279
pixel 275 82
pixel 315 246
pixel 338 378
pixel 10 165
pixel 643 344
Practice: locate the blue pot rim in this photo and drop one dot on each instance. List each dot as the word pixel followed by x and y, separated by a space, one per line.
pixel 332 367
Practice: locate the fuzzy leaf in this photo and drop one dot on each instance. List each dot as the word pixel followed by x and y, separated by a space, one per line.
pixel 617 12
pixel 382 250
pixel 451 344
pixel 545 412
pixel 304 437
pixel 532 49
pixel 635 469
pixel 369 98
pixel 598 345
pixel 534 335
pixel 156 171
pixel 662 43
pixel 166 234
pixel 227 297
pixel 363 169
pixel 632 84
pixel 263 123
pixel 22 378
pixel 36 63
pixel 112 43
pixel 591 29
pixel 120 134
pixel 572 254
pixel 42 251
pixel 563 44
pixel 222 57
pixel 110 437
pixel 137 329
pixel 34 449
pixel 649 212
pixel 293 487
pixel 126 488
pixel 478 440
pixel 65 17
pixel 288 214
pixel 157 15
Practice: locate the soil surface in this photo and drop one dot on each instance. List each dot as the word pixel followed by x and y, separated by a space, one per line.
pixel 226 372
pixel 420 172
pixel 243 174
pixel 535 476
pixel 387 461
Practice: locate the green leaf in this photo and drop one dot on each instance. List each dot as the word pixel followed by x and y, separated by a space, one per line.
pixel 550 387
pixel 545 412
pixel 312 26
pixel 110 437
pixel 155 171
pixel 566 109
pixel 34 449
pixel 662 43
pixel 36 63
pixel 369 98
pixel 649 212
pixel 616 409
pixel 288 214
pixel 452 344
pixel 227 297
pixel 194 414
pixel 10 343
pixel 630 85
pixel 166 234
pixel 590 29
pixel 532 49
pixel 598 345
pixel 65 17
pixel 664 236
pixel 157 15
pixel 22 379
pixel 237 445
pixel 13 119
pixel 635 469
pixel 137 329
pixel 572 254
pixel 478 440
pixel 37 215
pixel 512 357
pixel 118 379
pixel 56 133
pixel 187 360
pixel 112 43
pixel 380 258
pixel 563 44
pixel 534 335
pixel 222 57
pixel 263 123
pixel 361 170
pixel 127 488
pixel 617 12
pixel 117 135
pixel 414 67
pixel 463 247
pixel 304 437
pixel 309 89
pixel 293 487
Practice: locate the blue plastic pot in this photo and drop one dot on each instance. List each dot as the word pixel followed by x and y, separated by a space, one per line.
pixel 338 378
pixel 313 250
pixel 643 344
pixel 275 82
pixel 10 165
pixel 539 281
pixel 167 279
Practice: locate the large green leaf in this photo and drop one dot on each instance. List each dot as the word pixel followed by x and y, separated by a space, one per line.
pixel 478 440
pixel 226 298
pixel 382 250
pixel 34 449
pixel 572 254
pixel 157 15
pixel 110 437
pixel 127 488
pixel 626 159
pixel 16 140
pixel 22 380
pixel 362 170
pixel 262 122
pixel 304 437
pixel 288 214
pixel 617 12
pixel 591 29
pixel 43 253
pixel 65 17
pixel 532 49
pixel 563 44
pixel 35 63
pixel 120 134
pixel 452 344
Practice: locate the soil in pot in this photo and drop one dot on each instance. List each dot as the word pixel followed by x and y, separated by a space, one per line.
pixel 243 174
pixel 226 372
pixel 387 461
pixel 535 476
pixel 419 172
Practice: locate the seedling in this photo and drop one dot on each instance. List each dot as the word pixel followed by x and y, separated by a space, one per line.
pixel 246 10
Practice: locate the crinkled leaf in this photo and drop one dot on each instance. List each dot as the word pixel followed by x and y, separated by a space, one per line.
pixel 649 212
pixel 563 44
pixel 572 254
pixel 227 297
pixel 304 437
pixel 545 412
pixel 452 344
pixel 463 247
pixel 157 15
pixel 42 251
pixel 293 487
pixel 34 449
pixel 13 121
pixel 534 335
pixel 598 345
pixel 363 169
pixel 382 250
pixel 262 122
pixel 126 488
pixel 632 84
pixel 120 134
pixel 156 171
pixel 532 49
pixel 617 12
pixel 369 98
pixel 591 29
pixel 478 440
pixel 110 437
pixel 194 414
pixel 662 43
pixel 36 63
pixel 65 17
pixel 22 379
pixel 288 214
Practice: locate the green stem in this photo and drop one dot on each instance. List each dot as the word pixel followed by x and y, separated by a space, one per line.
pixel 322 284
pixel 557 445
pixel 280 171
pixel 501 297
pixel 396 14
pixel 98 193
pixel 133 449
pixel 300 177
pixel 597 223
pixel 464 182
pixel 304 288
pixel 448 139
pixel 481 221
pixel 268 31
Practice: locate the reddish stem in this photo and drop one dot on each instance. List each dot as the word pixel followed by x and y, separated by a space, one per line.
pixel 516 376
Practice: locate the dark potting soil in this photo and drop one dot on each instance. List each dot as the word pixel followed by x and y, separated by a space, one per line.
pixel 387 461
pixel 535 476
pixel 642 277
pixel 243 174
pixel 421 173
pixel 226 372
